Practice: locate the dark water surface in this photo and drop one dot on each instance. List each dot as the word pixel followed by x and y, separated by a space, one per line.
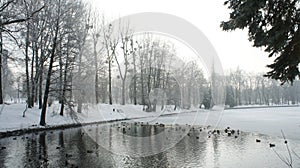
pixel 75 148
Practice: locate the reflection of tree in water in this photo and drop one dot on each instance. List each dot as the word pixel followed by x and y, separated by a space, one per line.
pixel 61 139
pixel 104 158
pixel 31 152
pixel 138 131
pixel 35 154
pixel 73 145
pixel 61 152
pixel 4 152
pixel 81 149
pixel 189 148
pixel 158 160
pixel 43 155
pixel 216 150
pixel 141 139
pixel 242 141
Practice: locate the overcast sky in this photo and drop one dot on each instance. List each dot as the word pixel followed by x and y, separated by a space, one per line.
pixel 233 48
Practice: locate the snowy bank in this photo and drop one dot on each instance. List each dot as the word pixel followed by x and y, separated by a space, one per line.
pixel 11 116
pixel 268 121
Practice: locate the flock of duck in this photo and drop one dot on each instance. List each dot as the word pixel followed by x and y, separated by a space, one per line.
pixel 189 131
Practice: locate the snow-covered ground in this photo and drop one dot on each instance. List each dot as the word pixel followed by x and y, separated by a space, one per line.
pixel 11 116
pixel 265 120
pixel 261 120
pixel 268 121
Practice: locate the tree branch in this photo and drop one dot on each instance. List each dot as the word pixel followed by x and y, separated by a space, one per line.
pixel 23 19
pixel 5 5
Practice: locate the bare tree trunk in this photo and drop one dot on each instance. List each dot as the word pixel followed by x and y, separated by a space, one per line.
pixel 97 87
pixel 61 81
pixel 64 88
pixel 123 92
pixel 47 87
pixel 1 53
pixel 32 78
pixel 41 68
pixel 63 98
pixel 143 87
pixel 142 77
pixel 60 72
pixel 110 45
pixel 109 82
pixel 134 80
pixel 41 86
pixel 96 72
pixel 80 97
pixel 36 78
pixel 123 76
pixel 27 68
pixel 62 107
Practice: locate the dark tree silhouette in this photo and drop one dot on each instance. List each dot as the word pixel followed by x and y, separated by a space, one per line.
pixel 274 25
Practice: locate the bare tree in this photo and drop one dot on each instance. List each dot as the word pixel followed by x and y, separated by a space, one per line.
pixel 48 78
pixel 10 16
pixel 126 38
pixel 83 32
pixel 69 48
pixel 110 42
pixel 96 32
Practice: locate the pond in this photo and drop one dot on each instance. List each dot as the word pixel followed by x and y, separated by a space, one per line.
pixel 160 145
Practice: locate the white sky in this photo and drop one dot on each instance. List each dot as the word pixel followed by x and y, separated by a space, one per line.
pixel 233 48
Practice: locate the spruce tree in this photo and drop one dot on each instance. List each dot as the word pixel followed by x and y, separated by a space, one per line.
pixel 273 25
